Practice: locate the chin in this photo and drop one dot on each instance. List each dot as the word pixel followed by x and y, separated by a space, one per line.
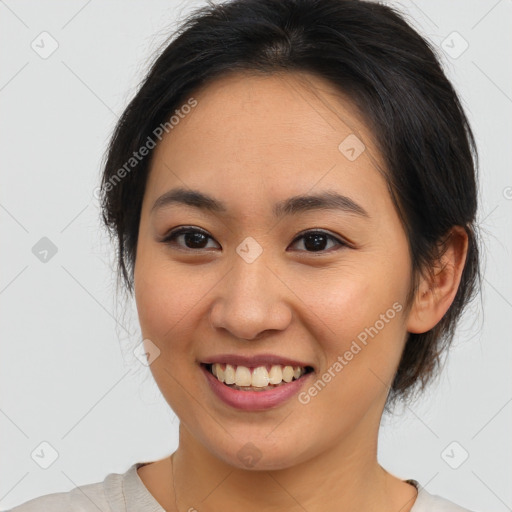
pixel 258 452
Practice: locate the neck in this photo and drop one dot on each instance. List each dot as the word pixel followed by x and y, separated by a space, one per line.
pixel 347 477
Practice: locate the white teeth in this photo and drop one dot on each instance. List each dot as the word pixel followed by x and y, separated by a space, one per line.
pixel 288 373
pixel 275 375
pixel 243 376
pixel 258 377
pixel 220 373
pixel 229 374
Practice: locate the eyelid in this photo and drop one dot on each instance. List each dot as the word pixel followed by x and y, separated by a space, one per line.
pixel 183 230
pixel 173 233
pixel 338 238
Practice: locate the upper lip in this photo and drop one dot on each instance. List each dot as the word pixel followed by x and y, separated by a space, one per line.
pixel 254 361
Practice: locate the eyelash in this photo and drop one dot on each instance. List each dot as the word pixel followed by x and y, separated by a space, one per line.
pixel 170 238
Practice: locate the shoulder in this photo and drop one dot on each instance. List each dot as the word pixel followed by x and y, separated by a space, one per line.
pixel 426 502
pixel 93 497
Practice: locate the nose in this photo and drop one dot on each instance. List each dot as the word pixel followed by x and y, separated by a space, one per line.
pixel 251 300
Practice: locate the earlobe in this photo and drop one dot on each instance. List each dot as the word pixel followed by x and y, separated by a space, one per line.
pixel 437 288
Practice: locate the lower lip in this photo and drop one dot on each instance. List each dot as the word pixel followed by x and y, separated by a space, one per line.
pixel 254 400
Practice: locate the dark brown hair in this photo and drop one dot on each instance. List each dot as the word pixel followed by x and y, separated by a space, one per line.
pixel 371 54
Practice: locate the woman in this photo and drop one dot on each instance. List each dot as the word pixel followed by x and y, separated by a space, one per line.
pixel 293 195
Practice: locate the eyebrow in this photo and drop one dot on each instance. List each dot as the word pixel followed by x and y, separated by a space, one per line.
pixel 328 200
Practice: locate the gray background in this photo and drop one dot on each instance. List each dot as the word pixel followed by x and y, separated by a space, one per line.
pixel 68 375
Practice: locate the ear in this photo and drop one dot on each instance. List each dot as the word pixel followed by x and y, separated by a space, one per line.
pixel 436 290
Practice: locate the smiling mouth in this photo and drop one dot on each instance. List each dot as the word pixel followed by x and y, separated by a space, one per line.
pixel 260 378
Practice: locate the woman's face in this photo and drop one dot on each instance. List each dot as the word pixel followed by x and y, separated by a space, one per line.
pixel 257 285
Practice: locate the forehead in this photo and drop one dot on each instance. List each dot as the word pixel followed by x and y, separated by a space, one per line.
pixel 266 133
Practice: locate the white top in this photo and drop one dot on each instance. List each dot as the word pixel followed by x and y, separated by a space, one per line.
pixel 127 493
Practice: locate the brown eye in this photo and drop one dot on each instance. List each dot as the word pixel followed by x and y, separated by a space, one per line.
pixel 316 241
pixel 192 238
pixel 195 240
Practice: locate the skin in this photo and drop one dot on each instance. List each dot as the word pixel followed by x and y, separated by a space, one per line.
pixel 251 141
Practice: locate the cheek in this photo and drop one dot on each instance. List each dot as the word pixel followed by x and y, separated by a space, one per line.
pixel 351 298
pixel 361 308
pixel 361 345
pixel 164 294
pixel 172 297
